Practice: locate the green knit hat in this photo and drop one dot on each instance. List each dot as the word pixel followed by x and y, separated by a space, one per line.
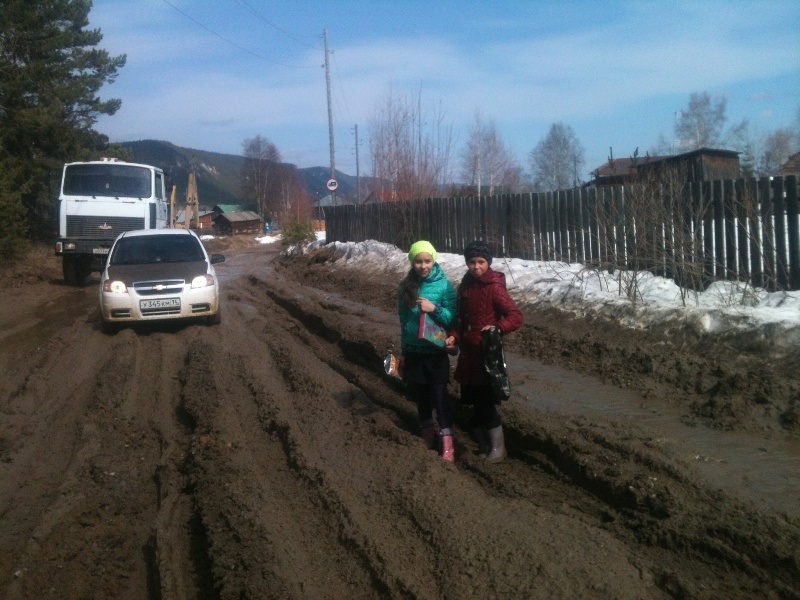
pixel 421 246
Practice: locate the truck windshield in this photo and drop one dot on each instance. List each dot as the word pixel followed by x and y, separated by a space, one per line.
pixel 109 180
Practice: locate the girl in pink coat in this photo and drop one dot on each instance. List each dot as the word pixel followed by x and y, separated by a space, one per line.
pixel 483 303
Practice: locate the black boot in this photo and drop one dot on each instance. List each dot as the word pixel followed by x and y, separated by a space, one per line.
pixel 482 437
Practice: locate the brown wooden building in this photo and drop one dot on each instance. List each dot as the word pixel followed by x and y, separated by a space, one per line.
pixel 791 166
pixel 238 223
pixel 705 164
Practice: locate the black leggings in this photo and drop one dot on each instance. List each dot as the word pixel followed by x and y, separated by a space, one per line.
pixel 430 396
pixel 481 397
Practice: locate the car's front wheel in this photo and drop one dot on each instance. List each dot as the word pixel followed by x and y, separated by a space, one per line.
pixel 215 319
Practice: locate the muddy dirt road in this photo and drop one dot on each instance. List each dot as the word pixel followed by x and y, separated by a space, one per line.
pixel 269 457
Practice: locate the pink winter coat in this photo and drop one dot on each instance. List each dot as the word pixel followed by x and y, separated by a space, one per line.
pixel 481 302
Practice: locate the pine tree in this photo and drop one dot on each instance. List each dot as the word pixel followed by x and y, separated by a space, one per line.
pixel 50 76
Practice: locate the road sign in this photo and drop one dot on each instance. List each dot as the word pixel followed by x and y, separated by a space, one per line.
pixel 332 184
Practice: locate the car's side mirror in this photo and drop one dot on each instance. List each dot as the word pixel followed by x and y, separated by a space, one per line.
pixel 217 258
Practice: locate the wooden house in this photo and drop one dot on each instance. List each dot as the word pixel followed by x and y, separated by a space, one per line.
pixel 705 164
pixel 238 223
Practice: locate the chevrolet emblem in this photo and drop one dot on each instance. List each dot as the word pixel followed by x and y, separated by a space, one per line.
pixel 159 287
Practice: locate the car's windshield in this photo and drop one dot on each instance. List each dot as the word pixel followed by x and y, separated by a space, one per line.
pixel 108 180
pixel 149 249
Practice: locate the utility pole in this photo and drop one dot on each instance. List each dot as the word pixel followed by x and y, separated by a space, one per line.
pixel 192 218
pixel 330 112
pixel 358 175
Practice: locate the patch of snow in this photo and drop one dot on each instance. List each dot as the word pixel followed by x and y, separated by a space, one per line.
pixel 269 239
pixel 636 299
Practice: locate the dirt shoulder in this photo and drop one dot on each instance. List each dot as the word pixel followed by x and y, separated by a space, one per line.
pixel 728 382
pixel 270 457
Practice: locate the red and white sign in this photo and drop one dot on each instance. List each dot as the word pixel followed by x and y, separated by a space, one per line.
pixel 332 184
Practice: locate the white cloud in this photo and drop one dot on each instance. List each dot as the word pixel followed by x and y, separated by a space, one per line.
pixel 525 64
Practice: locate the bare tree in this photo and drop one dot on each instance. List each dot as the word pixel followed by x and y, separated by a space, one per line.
pixel 557 160
pixel 778 147
pixel 260 166
pixel 701 124
pixel 410 150
pixel 290 198
pixel 486 160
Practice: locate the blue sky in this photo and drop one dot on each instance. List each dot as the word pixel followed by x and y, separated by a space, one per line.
pixel 207 74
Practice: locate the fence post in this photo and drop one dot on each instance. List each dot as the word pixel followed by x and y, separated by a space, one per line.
pixel 768 232
pixel 779 214
pixel 730 230
pixel 620 259
pixel 794 234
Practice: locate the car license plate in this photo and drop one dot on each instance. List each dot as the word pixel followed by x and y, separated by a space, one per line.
pixel 100 250
pixel 160 303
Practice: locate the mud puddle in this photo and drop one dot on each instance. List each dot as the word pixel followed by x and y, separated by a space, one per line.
pixel 755 469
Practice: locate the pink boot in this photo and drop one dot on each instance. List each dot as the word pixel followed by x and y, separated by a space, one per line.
pixel 429 436
pixel 448 453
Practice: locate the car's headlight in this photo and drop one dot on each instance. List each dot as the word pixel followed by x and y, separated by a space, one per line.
pixel 116 287
pixel 202 281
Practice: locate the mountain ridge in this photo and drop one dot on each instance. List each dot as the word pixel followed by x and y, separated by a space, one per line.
pixel 219 175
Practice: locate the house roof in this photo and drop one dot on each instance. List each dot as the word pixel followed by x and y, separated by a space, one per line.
pixel 616 166
pixel 228 208
pixel 329 201
pixel 791 166
pixel 239 216
pixel 628 166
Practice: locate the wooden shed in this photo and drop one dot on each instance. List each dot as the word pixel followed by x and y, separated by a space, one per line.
pixel 705 164
pixel 791 166
pixel 238 223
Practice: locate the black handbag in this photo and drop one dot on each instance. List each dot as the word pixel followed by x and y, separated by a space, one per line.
pixel 495 363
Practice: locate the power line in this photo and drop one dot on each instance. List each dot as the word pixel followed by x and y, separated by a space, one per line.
pixel 234 44
pixel 340 89
pixel 244 4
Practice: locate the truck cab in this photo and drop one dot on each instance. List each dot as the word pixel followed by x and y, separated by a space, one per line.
pixel 98 200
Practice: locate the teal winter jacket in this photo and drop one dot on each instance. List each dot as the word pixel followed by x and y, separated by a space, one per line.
pixel 438 289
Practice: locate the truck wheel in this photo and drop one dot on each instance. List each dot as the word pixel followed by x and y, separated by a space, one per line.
pixel 84 269
pixel 72 271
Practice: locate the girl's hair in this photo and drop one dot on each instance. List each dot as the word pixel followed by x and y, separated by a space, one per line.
pixel 409 289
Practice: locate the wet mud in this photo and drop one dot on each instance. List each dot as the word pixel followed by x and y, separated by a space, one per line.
pixel 270 457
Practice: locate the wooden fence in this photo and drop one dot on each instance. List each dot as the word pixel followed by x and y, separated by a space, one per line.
pixel 745 230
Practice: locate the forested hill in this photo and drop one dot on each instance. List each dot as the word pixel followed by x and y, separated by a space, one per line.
pixel 219 175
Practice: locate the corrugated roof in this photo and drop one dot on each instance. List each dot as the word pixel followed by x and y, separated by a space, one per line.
pixel 239 216
pixel 617 166
pixel 229 208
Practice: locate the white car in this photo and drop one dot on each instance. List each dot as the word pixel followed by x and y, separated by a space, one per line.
pixel 156 274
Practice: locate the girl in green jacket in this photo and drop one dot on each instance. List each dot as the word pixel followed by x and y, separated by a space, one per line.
pixel 426 367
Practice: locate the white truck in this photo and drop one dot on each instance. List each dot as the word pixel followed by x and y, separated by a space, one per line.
pixel 98 201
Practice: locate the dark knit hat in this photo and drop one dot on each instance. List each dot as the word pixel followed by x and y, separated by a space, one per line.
pixel 478 248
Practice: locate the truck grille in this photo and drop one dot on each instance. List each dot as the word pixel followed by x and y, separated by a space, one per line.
pixel 101 228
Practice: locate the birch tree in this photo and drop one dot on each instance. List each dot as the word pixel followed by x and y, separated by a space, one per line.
pixel 261 159
pixel 557 160
pixel 409 148
pixel 486 161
